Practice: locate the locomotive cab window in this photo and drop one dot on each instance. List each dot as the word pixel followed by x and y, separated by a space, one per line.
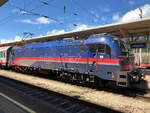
pixel 102 48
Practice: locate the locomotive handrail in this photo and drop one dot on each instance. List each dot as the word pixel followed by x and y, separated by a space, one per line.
pixel 87 63
pixel 96 60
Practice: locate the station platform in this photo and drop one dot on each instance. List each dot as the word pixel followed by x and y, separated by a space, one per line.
pixel 147 78
pixel 8 105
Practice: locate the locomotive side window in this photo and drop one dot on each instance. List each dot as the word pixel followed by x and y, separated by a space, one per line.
pixel 82 47
pixel 102 49
pixel 92 47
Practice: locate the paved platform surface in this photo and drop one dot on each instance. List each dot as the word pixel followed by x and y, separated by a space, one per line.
pixel 147 78
pixel 8 105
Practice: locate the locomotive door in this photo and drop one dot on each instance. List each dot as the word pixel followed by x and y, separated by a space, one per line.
pixel 92 58
pixel 96 52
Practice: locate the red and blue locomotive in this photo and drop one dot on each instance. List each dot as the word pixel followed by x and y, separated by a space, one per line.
pixel 101 59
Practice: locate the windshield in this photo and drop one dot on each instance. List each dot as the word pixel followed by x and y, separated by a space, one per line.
pixel 122 46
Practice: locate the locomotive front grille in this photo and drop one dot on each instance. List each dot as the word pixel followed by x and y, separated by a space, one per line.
pixel 122 79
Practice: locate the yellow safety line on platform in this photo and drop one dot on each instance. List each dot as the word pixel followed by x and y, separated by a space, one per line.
pixel 17 103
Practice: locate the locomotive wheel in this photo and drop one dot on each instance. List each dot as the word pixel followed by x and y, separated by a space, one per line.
pixel 99 83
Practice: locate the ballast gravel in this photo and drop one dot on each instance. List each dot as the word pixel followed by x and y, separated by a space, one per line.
pixel 107 99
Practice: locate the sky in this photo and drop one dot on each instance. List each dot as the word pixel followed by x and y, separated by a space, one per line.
pixel 19 18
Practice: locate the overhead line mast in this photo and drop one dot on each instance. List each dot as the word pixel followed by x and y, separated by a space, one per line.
pixel 140 50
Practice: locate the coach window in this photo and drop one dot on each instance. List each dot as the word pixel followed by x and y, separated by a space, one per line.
pixel 1 54
pixel 4 54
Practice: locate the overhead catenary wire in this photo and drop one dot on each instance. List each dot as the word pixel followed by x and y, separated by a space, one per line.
pixel 30 12
pixel 84 9
pixel 64 7
pixel 26 12
pixel 47 3
pixel 6 19
pixel 27 34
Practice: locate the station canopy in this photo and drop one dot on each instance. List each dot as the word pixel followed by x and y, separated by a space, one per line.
pixel 135 28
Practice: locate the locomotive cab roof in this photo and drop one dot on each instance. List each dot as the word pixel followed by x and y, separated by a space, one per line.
pixel 99 39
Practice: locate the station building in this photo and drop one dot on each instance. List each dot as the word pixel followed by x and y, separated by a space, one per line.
pixel 140 47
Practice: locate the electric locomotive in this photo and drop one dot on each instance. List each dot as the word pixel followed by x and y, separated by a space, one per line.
pixel 100 59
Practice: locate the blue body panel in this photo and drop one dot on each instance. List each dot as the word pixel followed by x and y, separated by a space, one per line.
pixel 68 49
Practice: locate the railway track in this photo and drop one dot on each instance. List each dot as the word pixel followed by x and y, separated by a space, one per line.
pixel 142 94
pixel 144 98
pixel 63 103
pixel 137 93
